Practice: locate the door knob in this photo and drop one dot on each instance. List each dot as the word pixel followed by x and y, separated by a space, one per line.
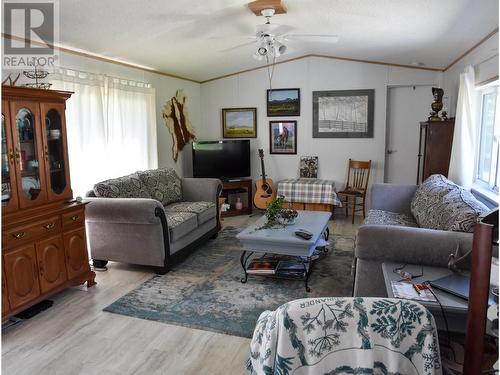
pixel 391 151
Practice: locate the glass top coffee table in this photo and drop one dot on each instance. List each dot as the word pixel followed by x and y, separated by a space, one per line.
pixel 281 240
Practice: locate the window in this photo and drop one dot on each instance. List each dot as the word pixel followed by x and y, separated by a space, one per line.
pixel 487 176
pixel 112 127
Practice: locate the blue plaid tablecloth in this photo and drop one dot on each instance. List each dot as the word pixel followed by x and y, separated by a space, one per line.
pixel 309 190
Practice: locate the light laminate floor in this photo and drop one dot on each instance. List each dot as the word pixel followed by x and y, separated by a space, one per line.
pixel 76 337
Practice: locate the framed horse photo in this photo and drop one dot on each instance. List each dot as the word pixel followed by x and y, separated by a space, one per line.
pixel 283 137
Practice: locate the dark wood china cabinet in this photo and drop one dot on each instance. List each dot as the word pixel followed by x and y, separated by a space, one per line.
pixel 43 230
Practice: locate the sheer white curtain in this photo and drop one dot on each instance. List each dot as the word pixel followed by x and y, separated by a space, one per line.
pixel 464 139
pixel 111 127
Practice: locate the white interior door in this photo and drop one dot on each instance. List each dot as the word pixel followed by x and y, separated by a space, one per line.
pixel 406 107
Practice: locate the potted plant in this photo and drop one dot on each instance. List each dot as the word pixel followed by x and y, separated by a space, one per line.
pixel 276 214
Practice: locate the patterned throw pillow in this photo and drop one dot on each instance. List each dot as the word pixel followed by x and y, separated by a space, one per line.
pixel 441 204
pixel 461 210
pixel 426 203
pixel 130 186
pixel 163 184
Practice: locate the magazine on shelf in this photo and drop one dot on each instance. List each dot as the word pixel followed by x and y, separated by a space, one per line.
pixel 263 266
pixel 292 268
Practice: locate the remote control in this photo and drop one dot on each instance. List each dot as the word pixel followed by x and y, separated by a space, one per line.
pixel 305 234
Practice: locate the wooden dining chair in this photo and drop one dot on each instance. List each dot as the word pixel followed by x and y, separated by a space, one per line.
pixel 354 194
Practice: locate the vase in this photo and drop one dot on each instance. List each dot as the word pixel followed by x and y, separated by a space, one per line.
pixel 238 205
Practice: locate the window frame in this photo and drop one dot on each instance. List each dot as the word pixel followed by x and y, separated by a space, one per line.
pixel 490 190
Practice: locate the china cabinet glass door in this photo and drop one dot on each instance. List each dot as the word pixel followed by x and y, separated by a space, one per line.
pixel 55 155
pixel 28 154
pixel 9 192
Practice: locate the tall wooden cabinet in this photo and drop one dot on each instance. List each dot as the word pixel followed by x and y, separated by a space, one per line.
pixel 43 230
pixel 434 149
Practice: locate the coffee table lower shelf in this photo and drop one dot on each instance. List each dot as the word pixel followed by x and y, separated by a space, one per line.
pixel 307 263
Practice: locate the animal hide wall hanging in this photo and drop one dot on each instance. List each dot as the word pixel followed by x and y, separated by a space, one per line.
pixel 176 119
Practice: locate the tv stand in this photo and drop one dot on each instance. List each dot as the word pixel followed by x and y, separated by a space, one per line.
pixel 232 179
pixel 237 186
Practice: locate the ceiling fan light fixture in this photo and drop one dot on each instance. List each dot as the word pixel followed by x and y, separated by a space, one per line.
pixel 279 48
pixel 258 57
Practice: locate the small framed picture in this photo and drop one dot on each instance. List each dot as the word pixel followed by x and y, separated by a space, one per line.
pixel 283 102
pixel 239 122
pixel 283 137
pixel 309 166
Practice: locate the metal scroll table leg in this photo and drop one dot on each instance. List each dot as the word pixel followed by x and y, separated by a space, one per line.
pixel 326 233
pixel 307 273
pixel 243 261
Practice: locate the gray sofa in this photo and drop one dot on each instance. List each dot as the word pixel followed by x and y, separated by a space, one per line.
pixel 413 224
pixel 150 217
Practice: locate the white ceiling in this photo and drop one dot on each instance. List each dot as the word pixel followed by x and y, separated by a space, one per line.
pixel 185 37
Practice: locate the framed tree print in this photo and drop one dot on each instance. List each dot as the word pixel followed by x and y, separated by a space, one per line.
pixel 283 137
pixel 239 122
pixel 343 114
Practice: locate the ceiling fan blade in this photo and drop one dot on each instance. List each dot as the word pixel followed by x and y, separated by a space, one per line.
pixel 273 29
pixel 233 37
pixel 330 38
pixel 238 46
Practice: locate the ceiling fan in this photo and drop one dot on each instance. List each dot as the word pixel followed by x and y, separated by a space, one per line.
pixel 271 38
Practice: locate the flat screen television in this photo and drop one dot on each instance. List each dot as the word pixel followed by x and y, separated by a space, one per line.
pixel 225 159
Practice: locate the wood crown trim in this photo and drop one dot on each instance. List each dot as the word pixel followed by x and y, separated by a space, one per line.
pixel 325 57
pixel 484 39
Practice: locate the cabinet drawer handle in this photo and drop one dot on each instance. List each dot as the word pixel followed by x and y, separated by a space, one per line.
pixel 75 217
pixel 41 268
pixel 49 226
pixel 11 156
pixel 46 153
pixel 19 235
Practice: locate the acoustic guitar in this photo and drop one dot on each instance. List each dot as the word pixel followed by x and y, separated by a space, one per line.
pixel 264 190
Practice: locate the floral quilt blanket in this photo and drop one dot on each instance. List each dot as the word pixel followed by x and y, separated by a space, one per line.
pixel 337 336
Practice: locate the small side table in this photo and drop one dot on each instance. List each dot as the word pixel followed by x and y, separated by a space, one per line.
pixel 454 308
pixel 239 186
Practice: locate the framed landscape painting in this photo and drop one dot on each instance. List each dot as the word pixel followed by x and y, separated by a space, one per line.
pixel 239 122
pixel 283 137
pixel 343 114
pixel 283 102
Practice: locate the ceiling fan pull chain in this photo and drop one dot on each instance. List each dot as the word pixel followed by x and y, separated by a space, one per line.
pixel 270 72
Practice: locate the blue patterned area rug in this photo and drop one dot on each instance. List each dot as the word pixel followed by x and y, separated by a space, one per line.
pixel 205 292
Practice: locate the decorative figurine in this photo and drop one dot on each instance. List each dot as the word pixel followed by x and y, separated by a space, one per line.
pixel 437 104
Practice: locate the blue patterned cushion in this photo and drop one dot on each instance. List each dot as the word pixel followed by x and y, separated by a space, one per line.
pixel 441 204
pixel 130 186
pixel 379 217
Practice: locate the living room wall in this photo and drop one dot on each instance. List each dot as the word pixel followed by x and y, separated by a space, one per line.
pixel 309 74
pixel 165 88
